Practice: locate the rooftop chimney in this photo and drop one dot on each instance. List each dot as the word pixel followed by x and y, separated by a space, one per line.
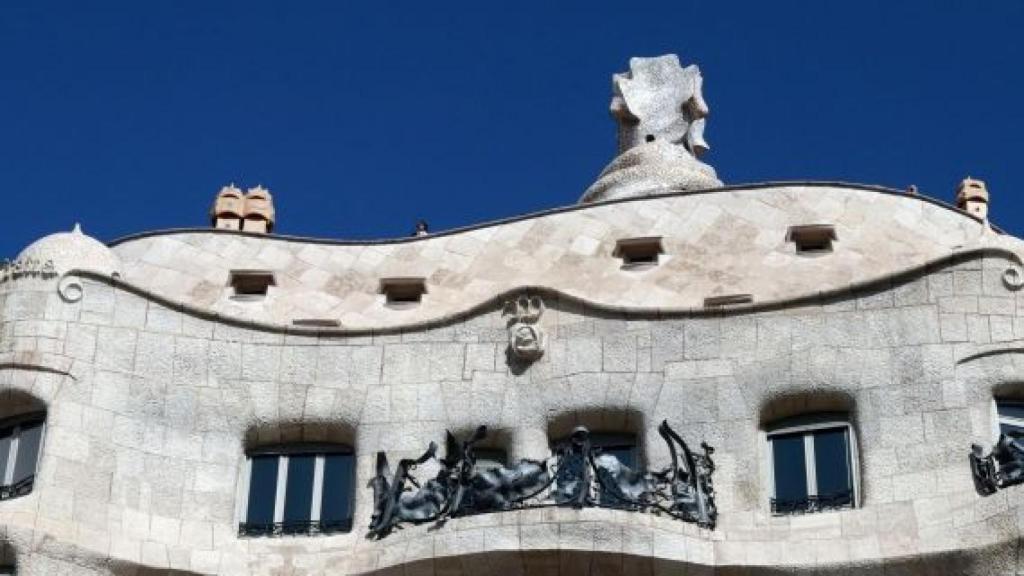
pixel 252 211
pixel 972 197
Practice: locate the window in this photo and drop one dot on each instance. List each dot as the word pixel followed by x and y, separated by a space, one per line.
pixel 251 284
pixel 812 239
pixel 489 458
pixel 298 490
pixel 20 440
pixel 403 292
pixel 622 446
pixel 638 253
pixel 812 466
pixel 1011 418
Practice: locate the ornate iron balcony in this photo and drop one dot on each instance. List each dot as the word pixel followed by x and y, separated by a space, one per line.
pixel 578 475
pixel 19 488
pixel 307 528
pixel 834 501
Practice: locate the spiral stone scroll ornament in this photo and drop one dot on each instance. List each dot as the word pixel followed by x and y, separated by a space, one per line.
pixel 70 288
pixel 1013 277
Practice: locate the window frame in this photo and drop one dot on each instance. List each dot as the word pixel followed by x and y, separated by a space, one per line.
pixel 16 424
pixel 807 425
pixel 283 453
pixel 485 458
pixel 602 441
pixel 999 419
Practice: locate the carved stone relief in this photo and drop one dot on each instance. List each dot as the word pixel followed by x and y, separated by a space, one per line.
pixel 526 339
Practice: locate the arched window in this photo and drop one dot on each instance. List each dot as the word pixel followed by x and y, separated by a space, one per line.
pixel 813 463
pixel 301 489
pixel 20 440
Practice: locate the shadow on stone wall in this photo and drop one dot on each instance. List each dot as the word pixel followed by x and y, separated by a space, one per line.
pixel 263 434
pixel 991 560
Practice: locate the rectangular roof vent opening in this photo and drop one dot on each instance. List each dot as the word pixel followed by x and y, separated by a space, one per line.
pixel 728 300
pixel 251 284
pixel 813 239
pixel 638 253
pixel 403 292
pixel 316 322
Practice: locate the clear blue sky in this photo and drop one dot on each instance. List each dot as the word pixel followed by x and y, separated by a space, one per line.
pixel 362 117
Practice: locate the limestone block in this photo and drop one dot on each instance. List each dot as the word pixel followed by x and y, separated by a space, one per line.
pixel 703 339
pixel 81 342
pixel 620 353
pixel 115 348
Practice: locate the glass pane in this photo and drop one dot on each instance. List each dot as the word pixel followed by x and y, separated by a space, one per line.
pixel 298 497
pixel 488 458
pixel 1011 409
pixel 790 470
pixel 622 446
pixel 28 450
pixel 5 450
pixel 1015 432
pixel 339 484
pixel 832 465
pixel 262 490
pixel 625 454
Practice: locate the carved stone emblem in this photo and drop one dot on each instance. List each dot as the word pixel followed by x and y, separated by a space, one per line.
pixel 526 339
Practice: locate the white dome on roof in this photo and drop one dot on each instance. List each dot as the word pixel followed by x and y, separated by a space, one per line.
pixel 73 251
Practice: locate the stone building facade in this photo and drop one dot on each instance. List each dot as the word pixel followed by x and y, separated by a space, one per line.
pixel 169 376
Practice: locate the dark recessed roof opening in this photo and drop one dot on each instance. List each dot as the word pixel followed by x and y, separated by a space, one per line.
pixel 638 253
pixel 316 322
pixel 403 292
pixel 728 300
pixel 251 283
pixel 812 239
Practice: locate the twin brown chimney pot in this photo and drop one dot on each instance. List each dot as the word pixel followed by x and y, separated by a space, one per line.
pixel 252 211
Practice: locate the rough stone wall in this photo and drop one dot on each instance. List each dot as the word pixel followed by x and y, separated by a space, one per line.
pixel 150 410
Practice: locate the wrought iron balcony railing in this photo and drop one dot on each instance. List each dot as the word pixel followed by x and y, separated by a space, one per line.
pixel 834 501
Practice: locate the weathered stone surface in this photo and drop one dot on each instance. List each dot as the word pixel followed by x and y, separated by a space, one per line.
pixel 728 242
pixel 151 406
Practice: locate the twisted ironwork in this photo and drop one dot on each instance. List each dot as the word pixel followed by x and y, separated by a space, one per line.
pixel 578 475
pixel 1003 466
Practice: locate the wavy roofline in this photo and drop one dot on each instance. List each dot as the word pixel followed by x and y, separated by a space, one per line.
pixel 548 212
pixel 642 312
